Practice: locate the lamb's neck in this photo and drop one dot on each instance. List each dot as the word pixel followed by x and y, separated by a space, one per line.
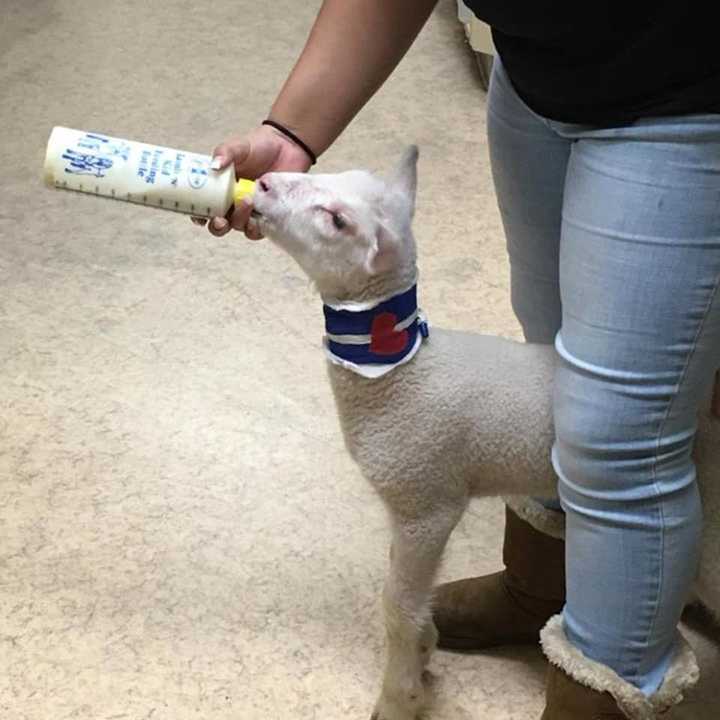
pixel 377 288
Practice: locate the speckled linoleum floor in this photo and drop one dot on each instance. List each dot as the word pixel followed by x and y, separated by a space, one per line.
pixel 181 532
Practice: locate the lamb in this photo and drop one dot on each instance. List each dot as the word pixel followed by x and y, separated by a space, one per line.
pixel 445 419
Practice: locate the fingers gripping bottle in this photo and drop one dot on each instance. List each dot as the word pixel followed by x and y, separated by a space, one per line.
pixel 136 172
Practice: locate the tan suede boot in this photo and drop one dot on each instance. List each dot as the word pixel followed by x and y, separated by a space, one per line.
pixel 579 688
pixel 507 607
pixel 566 699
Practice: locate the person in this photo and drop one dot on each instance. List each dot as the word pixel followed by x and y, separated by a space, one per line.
pixel 604 139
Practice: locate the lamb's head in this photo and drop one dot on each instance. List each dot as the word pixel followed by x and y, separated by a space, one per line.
pixel 350 232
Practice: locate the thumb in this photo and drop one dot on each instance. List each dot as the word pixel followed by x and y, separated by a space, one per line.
pixel 228 153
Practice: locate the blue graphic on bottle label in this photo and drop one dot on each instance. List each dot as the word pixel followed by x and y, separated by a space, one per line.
pixel 105 145
pixel 85 164
pixel 198 173
pixel 95 155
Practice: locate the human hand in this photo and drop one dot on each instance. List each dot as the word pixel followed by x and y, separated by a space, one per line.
pixel 263 150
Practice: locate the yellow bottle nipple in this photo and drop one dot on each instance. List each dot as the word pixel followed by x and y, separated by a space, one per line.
pixel 243 188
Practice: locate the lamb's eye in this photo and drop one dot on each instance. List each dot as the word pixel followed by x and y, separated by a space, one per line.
pixel 339 221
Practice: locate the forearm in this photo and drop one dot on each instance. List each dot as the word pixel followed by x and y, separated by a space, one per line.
pixel 353 46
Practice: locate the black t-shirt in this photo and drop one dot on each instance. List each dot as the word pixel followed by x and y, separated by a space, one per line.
pixel 608 62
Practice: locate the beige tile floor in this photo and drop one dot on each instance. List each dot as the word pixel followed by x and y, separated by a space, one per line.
pixel 181 533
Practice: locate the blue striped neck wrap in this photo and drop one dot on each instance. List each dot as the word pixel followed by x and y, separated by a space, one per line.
pixel 371 339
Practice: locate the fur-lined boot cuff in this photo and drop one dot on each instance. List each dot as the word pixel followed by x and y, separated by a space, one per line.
pixel 549 522
pixel 682 674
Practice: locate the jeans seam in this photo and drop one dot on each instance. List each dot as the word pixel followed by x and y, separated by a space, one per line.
pixel 661 429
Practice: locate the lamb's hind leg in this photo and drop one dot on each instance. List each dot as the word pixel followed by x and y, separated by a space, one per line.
pixel 418 544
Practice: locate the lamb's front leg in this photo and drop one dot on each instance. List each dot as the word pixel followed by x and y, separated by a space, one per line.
pixel 417 548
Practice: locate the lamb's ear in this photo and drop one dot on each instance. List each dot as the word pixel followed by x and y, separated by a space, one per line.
pixel 404 178
pixel 384 253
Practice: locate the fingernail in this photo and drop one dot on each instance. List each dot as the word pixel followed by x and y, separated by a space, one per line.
pixel 219 223
pixel 216 163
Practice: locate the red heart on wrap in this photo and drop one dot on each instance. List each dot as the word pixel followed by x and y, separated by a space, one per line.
pixel 384 339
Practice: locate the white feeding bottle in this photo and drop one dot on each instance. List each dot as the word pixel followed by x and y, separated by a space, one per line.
pixel 151 175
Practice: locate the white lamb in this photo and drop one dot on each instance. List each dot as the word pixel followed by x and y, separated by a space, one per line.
pixel 467 416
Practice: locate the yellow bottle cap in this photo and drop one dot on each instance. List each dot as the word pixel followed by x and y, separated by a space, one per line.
pixel 243 188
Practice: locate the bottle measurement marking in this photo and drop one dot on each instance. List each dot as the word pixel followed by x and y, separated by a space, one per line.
pixel 112 194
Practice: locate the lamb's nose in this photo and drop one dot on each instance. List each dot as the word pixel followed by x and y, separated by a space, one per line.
pixel 264 184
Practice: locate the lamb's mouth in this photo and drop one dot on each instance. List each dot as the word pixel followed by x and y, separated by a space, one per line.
pixel 262 222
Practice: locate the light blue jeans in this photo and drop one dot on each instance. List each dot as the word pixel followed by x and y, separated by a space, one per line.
pixel 614 243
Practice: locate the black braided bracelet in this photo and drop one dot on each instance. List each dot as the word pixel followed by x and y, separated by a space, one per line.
pixel 292 137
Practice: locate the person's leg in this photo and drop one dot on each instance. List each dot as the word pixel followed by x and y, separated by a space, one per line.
pixel 529 162
pixel 638 347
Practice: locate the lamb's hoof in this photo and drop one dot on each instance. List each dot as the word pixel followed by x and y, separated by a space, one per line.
pixel 412 705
